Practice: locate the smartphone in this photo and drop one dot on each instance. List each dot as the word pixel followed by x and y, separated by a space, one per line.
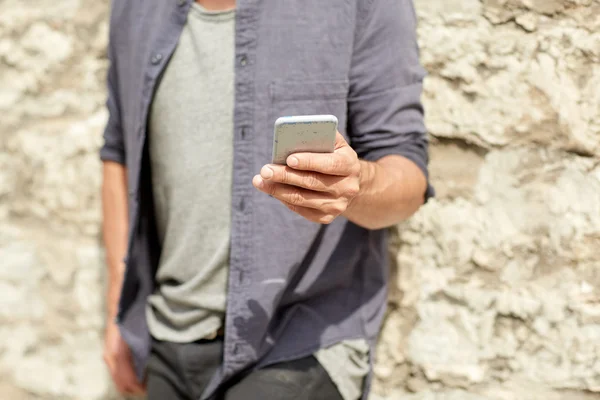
pixel 305 133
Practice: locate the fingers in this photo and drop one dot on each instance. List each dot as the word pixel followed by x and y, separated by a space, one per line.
pixel 311 214
pixel 299 197
pixel 127 375
pixel 133 389
pixel 126 380
pixel 340 163
pixel 318 186
pixel 120 366
pixel 304 179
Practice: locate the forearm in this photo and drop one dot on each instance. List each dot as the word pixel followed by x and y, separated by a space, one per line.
pixel 391 190
pixel 114 229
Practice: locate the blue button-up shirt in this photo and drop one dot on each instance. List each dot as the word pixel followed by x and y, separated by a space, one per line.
pixel 294 286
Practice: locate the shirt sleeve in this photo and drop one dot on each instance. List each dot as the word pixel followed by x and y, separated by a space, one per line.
pixel 113 148
pixel 385 113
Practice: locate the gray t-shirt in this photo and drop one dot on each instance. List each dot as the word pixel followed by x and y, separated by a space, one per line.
pixel 191 153
pixel 191 147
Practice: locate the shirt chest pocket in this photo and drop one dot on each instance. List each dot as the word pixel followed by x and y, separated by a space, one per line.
pixel 291 98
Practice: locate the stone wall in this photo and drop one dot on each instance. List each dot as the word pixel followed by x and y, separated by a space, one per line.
pixel 496 283
pixel 495 288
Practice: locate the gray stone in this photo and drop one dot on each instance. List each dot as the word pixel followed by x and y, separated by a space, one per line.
pixel 15 342
pixel 53 45
pixel 19 263
pixel 32 373
pixel 438 347
pixel 589 313
pixel 443 395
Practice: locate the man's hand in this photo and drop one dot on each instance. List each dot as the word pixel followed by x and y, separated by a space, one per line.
pixel 120 363
pixel 318 186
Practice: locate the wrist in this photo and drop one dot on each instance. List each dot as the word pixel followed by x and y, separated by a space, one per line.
pixel 365 178
pixel 111 314
pixel 113 295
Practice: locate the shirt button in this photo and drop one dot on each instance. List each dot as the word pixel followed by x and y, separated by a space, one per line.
pixel 244 132
pixel 237 348
pixel 133 195
pixel 243 61
pixel 181 2
pixel 242 204
pixel 156 58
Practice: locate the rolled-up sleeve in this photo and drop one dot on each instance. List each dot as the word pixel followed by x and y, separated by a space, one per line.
pixel 385 113
pixel 113 148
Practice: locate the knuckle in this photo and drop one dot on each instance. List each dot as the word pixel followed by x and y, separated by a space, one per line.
pixel 306 162
pixel 352 190
pixel 327 208
pixel 334 208
pixel 270 189
pixel 338 208
pixel 336 191
pixel 336 164
pixel 284 176
pixel 296 197
pixel 352 166
pixel 326 219
pixel 313 182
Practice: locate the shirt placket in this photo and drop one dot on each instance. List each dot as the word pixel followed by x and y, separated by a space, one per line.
pixel 236 347
pixel 161 51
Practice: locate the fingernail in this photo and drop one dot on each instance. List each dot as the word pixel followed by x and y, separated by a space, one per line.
pixel 292 161
pixel 257 181
pixel 266 172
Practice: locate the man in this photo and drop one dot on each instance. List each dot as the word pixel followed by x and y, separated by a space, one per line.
pixel 237 278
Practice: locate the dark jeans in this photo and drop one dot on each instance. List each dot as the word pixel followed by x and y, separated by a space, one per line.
pixel 182 371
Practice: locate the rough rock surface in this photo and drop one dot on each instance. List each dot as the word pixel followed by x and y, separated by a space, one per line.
pixel 495 284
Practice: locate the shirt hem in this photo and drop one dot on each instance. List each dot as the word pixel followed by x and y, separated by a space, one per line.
pixel 159 331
